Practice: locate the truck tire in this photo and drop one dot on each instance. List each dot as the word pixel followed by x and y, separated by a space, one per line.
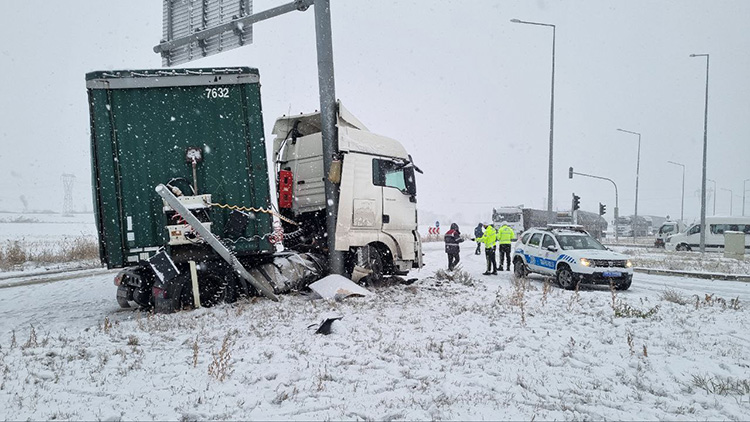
pixel 213 289
pixel 682 247
pixel 371 259
pixel 566 278
pixel 124 295
pixel 170 300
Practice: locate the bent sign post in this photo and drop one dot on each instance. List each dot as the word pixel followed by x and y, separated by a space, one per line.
pixel 197 28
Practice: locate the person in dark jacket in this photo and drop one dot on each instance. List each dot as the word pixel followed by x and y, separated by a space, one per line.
pixel 452 239
pixel 478 232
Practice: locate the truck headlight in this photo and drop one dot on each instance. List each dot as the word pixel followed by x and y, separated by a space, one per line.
pixel 585 262
pixel 629 264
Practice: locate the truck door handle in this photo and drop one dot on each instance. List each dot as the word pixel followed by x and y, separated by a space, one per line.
pixel 386 218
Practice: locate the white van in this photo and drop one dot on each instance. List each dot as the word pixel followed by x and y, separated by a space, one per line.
pixel 690 239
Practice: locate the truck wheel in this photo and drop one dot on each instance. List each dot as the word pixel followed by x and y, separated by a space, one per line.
pixel 212 288
pixel 123 294
pixel 565 278
pixel 682 247
pixel 370 258
pixel 519 268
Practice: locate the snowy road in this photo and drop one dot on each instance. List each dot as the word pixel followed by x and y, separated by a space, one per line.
pixel 74 305
pixel 490 348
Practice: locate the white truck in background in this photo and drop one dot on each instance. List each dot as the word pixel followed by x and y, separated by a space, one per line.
pixel 668 228
pixel 513 216
pixel 377 213
pixel 521 219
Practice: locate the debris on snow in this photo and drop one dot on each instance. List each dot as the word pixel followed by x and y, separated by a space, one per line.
pixel 336 286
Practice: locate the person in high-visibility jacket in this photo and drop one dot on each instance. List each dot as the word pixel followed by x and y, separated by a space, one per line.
pixel 504 236
pixel 489 238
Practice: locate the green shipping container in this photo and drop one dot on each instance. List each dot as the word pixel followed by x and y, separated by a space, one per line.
pixel 143 122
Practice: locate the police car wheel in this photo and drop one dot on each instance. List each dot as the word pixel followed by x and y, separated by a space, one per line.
pixel 565 278
pixel 625 285
pixel 519 269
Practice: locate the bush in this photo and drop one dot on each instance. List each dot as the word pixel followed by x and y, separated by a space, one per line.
pixel 623 310
pixel 671 295
pixel 457 276
pixel 16 253
pixel 12 255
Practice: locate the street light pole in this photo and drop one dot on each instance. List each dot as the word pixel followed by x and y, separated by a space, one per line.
pixel 714 182
pixel 744 189
pixel 682 207
pixel 550 214
pixel 617 200
pixel 637 172
pixel 730 200
pixel 705 149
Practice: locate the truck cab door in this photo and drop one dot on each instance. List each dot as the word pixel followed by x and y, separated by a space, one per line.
pixel 399 218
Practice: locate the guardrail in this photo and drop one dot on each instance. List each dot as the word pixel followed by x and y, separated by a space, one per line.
pixel 707 276
pixel 39 278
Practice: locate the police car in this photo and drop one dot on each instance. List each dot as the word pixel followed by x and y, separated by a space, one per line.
pixel 571 255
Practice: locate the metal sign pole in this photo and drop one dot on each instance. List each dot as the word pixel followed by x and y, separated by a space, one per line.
pixel 328 125
pixel 207 40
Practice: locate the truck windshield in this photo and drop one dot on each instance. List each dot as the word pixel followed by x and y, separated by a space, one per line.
pixel 391 174
pixel 570 241
pixel 508 217
pixel 667 228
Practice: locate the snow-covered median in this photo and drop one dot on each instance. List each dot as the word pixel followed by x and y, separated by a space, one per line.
pixel 711 262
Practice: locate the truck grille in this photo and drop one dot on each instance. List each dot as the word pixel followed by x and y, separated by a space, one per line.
pixel 620 263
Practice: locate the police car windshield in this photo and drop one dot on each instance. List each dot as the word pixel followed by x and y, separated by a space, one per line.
pixel 572 241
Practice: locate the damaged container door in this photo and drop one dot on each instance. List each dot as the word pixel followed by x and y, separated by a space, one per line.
pixel 144 126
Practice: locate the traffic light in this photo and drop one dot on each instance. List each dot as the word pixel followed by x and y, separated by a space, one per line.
pixel 570 173
pixel 602 209
pixel 576 202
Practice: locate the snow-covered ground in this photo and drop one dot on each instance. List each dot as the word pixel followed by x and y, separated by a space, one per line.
pixel 45 228
pixel 485 348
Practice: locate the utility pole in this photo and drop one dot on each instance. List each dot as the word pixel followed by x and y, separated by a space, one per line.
pixel 705 150
pixel 550 213
pixel 682 207
pixel 637 173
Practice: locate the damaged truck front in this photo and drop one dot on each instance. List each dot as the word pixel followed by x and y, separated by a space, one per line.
pixel 377 211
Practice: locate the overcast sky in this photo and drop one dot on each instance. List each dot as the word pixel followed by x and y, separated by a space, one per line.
pixel 464 89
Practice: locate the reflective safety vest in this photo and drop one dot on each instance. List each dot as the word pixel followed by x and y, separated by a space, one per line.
pixel 489 238
pixel 504 235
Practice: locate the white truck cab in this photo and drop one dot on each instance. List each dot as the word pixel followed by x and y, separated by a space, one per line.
pixel 513 216
pixel 377 210
pixel 668 228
